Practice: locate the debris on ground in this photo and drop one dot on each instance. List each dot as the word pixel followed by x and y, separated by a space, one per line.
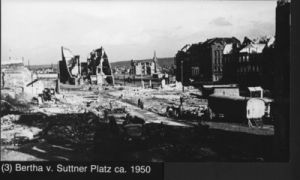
pixel 122 122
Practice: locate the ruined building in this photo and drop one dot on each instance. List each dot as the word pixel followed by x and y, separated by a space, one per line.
pixel 14 74
pixel 69 67
pixel 19 79
pixel 144 67
pixel 98 68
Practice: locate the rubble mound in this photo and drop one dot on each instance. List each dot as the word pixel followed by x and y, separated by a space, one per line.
pixel 71 128
pixel 12 132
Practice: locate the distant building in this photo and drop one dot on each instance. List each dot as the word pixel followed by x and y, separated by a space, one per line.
pixel 144 67
pixel 44 70
pixel 203 61
pixel 84 70
pixel 11 63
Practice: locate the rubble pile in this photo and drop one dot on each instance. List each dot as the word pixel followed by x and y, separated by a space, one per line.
pixel 6 107
pixel 64 119
pixel 73 128
pixel 13 101
pixel 12 132
pixel 77 118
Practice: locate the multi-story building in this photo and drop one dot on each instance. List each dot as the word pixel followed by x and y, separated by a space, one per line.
pixel 230 63
pixel 250 64
pixel 144 67
pixel 203 61
pixel 182 56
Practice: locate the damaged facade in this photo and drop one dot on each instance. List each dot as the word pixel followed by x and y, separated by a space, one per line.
pixel 14 75
pixel 144 67
pixel 18 80
pixel 69 67
pixel 96 70
pixel 98 67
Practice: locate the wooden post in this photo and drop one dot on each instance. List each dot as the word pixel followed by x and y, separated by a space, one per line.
pixel 58 80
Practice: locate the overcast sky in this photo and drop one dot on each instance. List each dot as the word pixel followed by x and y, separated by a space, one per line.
pixel 126 29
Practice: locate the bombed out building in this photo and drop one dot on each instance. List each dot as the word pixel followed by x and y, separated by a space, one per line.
pixel 144 67
pixel 69 67
pixel 14 74
pixel 98 68
pixel 95 70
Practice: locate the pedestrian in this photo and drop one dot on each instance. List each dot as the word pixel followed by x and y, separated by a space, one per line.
pixel 166 76
pixel 181 100
pixel 139 102
pixel 142 105
pixel 110 105
pixel 180 111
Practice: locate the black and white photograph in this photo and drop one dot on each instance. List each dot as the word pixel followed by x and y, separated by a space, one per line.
pixel 146 81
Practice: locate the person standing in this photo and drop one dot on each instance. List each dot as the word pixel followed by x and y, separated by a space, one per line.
pixel 166 76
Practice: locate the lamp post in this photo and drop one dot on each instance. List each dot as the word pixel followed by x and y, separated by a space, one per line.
pixel 182 75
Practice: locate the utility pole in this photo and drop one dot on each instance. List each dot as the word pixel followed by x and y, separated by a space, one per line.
pixel 182 75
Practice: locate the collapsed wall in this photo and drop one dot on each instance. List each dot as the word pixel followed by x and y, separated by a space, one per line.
pixel 99 68
pixel 69 67
pixel 15 77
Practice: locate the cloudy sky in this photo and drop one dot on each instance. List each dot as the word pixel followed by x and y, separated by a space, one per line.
pixel 126 29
